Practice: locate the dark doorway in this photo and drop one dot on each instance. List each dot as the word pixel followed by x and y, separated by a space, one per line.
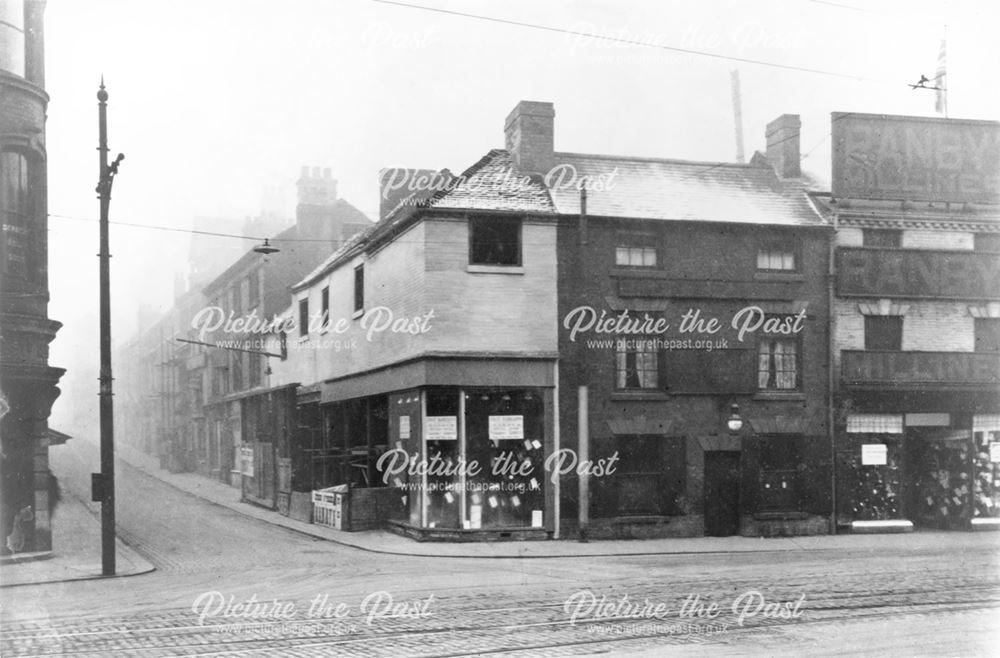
pixel 722 493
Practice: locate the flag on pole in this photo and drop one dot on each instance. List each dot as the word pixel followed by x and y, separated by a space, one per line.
pixel 941 83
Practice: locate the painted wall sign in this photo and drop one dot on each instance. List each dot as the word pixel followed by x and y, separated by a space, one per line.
pixel 917 273
pixel 404 427
pixel 901 368
pixel 878 156
pixel 441 428
pixel 874 454
pixel 506 427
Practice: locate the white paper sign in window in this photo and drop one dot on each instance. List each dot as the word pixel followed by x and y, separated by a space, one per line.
pixel 404 427
pixel 506 427
pixel 441 428
pixel 995 451
pixel 873 454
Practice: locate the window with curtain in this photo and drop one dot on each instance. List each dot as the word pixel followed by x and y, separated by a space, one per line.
pixel 636 363
pixel 778 363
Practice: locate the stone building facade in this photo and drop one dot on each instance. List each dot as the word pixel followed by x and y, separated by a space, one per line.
pixel 28 385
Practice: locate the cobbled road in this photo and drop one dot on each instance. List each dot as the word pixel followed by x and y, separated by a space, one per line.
pixel 316 598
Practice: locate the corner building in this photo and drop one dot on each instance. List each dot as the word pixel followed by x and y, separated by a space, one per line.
pixel 27 382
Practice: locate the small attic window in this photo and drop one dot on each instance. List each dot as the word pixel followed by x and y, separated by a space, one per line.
pixel 494 241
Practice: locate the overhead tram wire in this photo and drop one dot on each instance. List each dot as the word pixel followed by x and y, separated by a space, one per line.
pixel 635 42
pixel 252 238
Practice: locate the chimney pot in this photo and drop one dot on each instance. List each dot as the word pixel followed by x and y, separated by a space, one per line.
pixel 783 145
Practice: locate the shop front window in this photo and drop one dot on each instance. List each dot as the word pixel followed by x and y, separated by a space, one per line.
pixel 986 487
pixel 443 488
pixel 505 436
pixel 870 488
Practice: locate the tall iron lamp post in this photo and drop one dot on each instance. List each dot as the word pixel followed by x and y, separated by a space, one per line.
pixel 104 482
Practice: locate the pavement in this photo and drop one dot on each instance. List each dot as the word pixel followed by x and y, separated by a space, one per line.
pixel 77 549
pixel 76 554
pixel 380 541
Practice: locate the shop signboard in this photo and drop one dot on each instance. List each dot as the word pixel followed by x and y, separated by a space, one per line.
pixel 879 156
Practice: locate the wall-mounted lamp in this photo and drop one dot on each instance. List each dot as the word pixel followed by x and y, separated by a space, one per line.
pixel 735 421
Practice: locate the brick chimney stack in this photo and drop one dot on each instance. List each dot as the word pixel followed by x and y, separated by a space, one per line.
pixel 317 188
pixel 528 134
pixel 783 145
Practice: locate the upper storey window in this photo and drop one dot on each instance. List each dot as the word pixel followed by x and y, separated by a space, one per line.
pixel 12 36
pixel 494 241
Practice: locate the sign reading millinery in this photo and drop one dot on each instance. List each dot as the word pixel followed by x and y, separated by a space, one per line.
pixel 873 454
pixel 506 427
pixel 404 427
pixel 441 428
pixel 995 451
pixel 880 156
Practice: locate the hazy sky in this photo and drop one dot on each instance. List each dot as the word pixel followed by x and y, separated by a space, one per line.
pixel 213 100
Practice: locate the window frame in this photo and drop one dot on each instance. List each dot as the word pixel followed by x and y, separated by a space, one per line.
pixel 478 221
pixel 658 369
pixel 895 320
pixel 783 246
pixel 324 307
pixel 773 373
pixel 790 448
pixel 303 314
pixel 633 241
pixel 359 288
pixel 981 335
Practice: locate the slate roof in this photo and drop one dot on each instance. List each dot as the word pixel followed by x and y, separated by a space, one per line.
pixel 646 188
pixel 634 188
pixel 493 183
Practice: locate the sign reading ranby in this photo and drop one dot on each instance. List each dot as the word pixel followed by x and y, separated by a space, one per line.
pixel 440 428
pixel 506 427
pixel 878 156
pixel 873 454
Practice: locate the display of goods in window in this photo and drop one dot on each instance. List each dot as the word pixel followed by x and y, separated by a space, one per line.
pixel 987 482
pixel 875 490
pixel 944 484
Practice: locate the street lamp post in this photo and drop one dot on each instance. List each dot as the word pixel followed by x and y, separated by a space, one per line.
pixel 105 491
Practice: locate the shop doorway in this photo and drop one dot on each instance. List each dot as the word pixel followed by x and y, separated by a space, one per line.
pixel 722 493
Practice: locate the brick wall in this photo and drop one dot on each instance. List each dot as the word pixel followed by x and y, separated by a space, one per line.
pixel 938 327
